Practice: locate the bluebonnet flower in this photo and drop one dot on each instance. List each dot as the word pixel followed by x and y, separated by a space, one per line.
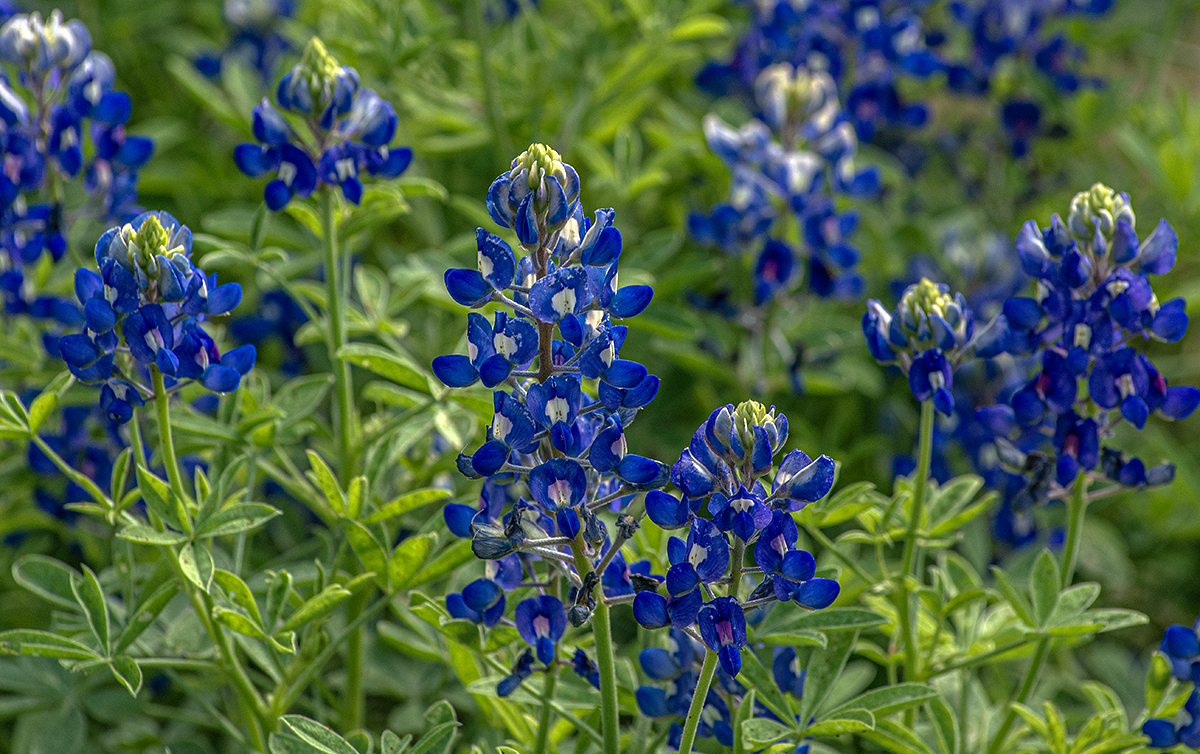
pixel 481 601
pixel 347 132
pixel 555 457
pixel 1094 299
pixel 726 463
pixel 145 310
pixel 585 668
pixel 254 36
pixel 927 335
pixel 1003 34
pixel 61 121
pixel 522 670
pixel 789 162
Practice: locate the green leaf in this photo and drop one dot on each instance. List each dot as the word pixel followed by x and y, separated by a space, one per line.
pixel 199 425
pixel 196 562
pixel 1020 604
pixel 824 668
pixel 945 726
pixel 354 497
pixel 436 739
pixel 801 638
pixel 1044 584
pixel 258 226
pixel 407 502
pixel 1116 618
pixel 895 737
pixel 239 593
pixel 316 607
pixel 120 474
pixel 145 535
pixel 277 596
pixel 832 619
pixel 850 721
pixel 145 613
pixel 40 409
pixel 448 561
pixel 760 731
pixel 702 26
pixel 888 699
pixel 1157 680
pixel 127 672
pixel 236 518
pixel 390 743
pixel 159 498
pixel 317 736
pixel 744 712
pixel 323 477
pixel 760 679
pixel 237 621
pixel 298 398
pixel 385 364
pixel 44 644
pixel 409 557
pixel 90 596
pixel 368 549
pixel 48 578
pixel 210 96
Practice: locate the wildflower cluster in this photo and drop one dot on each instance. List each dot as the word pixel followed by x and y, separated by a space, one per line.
pixel 1001 33
pixel 865 47
pixel 787 166
pixel 339 131
pixel 555 456
pixel 62 120
pixel 254 36
pixel 927 335
pixel 725 466
pixel 1094 301
pixel 145 310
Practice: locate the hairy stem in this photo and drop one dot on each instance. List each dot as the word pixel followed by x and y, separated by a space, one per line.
pixel 543 732
pixel 162 407
pixel 1076 509
pixel 1035 667
pixel 698 697
pixel 344 415
pixel 606 660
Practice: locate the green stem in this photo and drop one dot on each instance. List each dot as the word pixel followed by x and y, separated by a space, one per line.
pixel 344 415
pixel 1035 667
pixel 355 703
pixel 606 660
pixel 248 697
pixel 736 559
pixel 543 733
pixel 1076 509
pixel 166 442
pixel 909 562
pixel 701 694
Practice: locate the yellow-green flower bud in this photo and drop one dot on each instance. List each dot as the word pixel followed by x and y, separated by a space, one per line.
pixel 1098 207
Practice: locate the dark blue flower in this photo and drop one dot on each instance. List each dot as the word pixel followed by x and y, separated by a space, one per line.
pixel 541 622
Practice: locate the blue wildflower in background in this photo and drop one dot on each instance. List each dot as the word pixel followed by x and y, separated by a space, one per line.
pixel 1094 302
pixel 61 120
pixel 254 37
pixel 342 133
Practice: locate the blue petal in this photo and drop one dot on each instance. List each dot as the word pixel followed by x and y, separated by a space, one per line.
pixel 630 301
pixel 224 299
pixel 455 370
pixel 605 250
pixel 467 287
pixel 658 664
pixel 458 519
pixel 652 702
pixel 99 315
pixel 240 359
pixel 817 593
pixel 221 379
pixel 1180 402
pixel 1157 253
pixel 650 610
